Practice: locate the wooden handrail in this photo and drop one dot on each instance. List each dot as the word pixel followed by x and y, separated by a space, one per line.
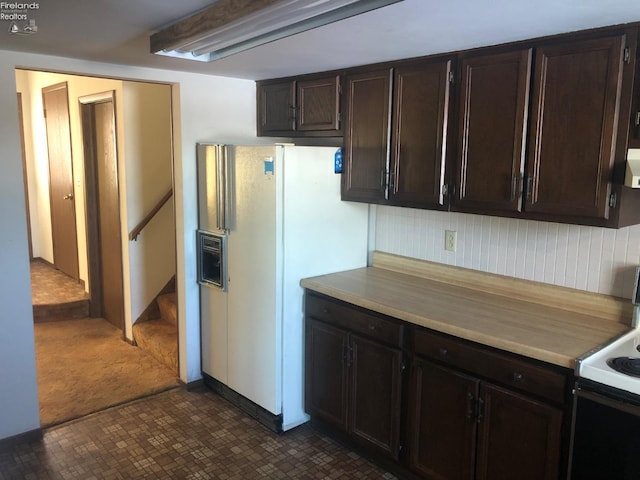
pixel 133 235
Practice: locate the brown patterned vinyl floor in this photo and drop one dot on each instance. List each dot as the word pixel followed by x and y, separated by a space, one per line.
pixel 180 435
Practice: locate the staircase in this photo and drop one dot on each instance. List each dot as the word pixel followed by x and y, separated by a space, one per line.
pixel 159 336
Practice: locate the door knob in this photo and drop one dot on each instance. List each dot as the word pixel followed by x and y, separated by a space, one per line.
pixel 68 196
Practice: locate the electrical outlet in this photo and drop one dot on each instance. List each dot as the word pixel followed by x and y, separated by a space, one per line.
pixel 450 240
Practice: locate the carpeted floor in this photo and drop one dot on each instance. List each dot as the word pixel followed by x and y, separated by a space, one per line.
pixel 84 366
pixel 51 286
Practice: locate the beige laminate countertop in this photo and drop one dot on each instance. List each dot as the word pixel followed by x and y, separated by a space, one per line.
pixel 548 333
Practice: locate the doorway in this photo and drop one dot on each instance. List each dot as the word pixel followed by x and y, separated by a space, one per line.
pixel 55 100
pixel 104 248
pixel 71 366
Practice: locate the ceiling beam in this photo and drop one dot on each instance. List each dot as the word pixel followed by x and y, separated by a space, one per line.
pixel 215 16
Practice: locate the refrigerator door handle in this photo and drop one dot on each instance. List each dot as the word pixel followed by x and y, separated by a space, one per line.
pixel 220 187
pixel 226 180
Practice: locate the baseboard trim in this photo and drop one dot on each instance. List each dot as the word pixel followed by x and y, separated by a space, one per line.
pixel 194 385
pixel 30 436
pixel 265 417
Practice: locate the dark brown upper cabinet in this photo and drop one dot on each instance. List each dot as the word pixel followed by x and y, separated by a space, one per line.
pixel 418 139
pixel 493 105
pixel 366 142
pixel 407 168
pixel 276 107
pixel 301 107
pixel 536 129
pixel 575 104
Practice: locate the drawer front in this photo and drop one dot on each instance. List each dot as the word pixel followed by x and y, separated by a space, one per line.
pixel 503 369
pixel 354 319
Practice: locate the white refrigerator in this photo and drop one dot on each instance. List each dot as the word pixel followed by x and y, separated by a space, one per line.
pixel 280 212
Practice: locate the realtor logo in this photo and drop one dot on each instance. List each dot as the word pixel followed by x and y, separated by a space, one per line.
pixel 19 17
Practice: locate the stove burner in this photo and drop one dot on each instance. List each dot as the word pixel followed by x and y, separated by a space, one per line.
pixel 626 365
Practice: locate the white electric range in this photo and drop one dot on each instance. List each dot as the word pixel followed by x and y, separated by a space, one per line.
pixel 617 365
pixel 606 418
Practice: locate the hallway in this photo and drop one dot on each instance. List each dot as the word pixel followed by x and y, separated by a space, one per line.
pixel 83 365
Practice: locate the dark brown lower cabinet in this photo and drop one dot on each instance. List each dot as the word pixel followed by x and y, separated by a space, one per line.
pixel 464 428
pixel 354 384
pixel 467 412
pixel 375 385
pixel 442 418
pixel 326 373
pixel 518 437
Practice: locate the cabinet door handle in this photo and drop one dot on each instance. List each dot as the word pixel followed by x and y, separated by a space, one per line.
pixel 529 183
pixel 518 377
pixel 516 186
pixel 470 404
pixel 372 327
pixel 480 412
pixel 443 351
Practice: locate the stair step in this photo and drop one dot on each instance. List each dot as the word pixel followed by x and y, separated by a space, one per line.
pixel 159 338
pixel 61 311
pixel 169 308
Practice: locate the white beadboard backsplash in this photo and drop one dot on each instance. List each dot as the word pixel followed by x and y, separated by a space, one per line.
pixel 594 259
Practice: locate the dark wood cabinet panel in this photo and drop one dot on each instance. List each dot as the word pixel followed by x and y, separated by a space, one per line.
pixel 366 136
pixel 276 107
pixel 518 437
pixel 466 412
pixel 375 395
pixel 574 112
pixel 326 373
pixel 299 106
pixel 493 106
pixel 443 425
pixel 420 121
pixel 353 383
pixel 318 104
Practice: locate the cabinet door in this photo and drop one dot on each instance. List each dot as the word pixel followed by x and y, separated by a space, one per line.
pixel 366 136
pixel 318 104
pixel 276 103
pixel 421 103
pixel 493 121
pixel 325 373
pixel 518 437
pixel 375 395
pixel 573 135
pixel 442 422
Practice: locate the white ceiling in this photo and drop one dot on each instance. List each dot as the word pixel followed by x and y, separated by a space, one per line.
pixel 117 31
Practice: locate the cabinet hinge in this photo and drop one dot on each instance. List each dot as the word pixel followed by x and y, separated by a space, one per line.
pixel 403 366
pixel 445 190
pixel 450 76
pixel 613 200
pixel 627 55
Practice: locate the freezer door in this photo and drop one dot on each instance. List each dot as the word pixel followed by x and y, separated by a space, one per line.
pixel 212 187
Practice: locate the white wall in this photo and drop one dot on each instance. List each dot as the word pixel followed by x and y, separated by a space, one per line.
pixel 149 262
pixel 594 259
pixel 19 397
pixel 206 108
